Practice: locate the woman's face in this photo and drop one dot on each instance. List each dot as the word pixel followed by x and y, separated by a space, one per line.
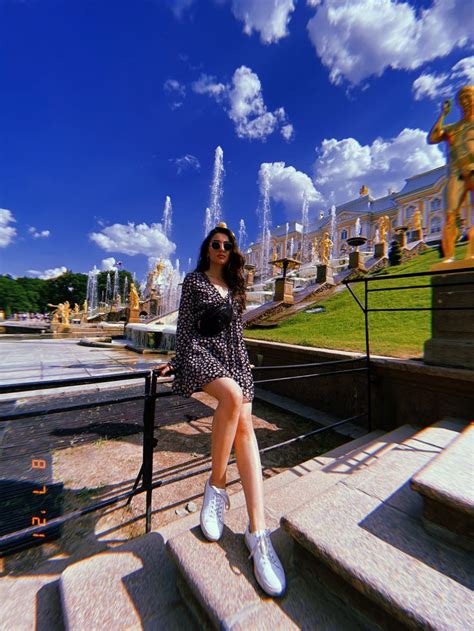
pixel 219 249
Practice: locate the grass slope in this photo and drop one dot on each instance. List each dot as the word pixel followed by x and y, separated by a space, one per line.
pixel 341 326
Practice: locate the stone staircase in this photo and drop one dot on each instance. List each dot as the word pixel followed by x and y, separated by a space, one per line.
pixel 350 528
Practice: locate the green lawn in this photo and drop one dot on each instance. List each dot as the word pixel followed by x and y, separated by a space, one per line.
pixel 341 326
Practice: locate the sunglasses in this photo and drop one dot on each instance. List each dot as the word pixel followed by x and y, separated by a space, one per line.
pixel 216 245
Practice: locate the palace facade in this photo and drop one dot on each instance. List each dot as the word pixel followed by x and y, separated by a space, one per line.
pixel 425 192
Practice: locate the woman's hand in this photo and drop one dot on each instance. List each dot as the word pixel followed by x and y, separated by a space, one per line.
pixel 165 370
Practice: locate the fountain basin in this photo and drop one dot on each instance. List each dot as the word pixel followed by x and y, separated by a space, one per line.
pixel 151 338
pixel 355 242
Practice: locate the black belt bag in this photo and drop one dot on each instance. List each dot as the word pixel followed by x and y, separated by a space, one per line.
pixel 215 319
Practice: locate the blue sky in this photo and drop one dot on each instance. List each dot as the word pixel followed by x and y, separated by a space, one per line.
pixel 109 107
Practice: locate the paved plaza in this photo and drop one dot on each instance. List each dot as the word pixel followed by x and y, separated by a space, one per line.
pixel 42 360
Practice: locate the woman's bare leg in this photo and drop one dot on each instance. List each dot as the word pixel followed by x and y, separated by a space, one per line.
pixel 224 425
pixel 250 468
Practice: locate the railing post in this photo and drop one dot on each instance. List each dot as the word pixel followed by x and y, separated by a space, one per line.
pixel 367 353
pixel 148 431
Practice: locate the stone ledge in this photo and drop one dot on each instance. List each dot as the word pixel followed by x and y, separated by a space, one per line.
pixel 217 583
pixel 227 595
pixel 122 588
pixel 436 479
pixel 366 531
pixel 446 485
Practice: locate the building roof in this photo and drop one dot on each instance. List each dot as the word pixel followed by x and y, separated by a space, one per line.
pixel 293 226
pixel 359 205
pixel 422 181
pixel 383 204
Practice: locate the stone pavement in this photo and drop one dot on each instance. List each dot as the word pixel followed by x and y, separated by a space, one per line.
pixel 40 360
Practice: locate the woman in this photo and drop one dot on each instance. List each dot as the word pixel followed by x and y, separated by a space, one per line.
pixel 219 365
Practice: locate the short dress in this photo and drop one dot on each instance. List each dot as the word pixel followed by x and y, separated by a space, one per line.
pixel 199 359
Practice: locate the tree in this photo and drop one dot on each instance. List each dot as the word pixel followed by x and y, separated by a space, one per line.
pixel 35 292
pixel 68 286
pixel 13 298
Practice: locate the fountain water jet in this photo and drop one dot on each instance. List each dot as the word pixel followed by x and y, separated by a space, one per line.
pixel 333 230
pixel 207 222
pixel 167 217
pixel 265 218
pixel 108 289
pixel 92 289
pixel 217 189
pixel 242 235
pixel 116 285
pixel 125 290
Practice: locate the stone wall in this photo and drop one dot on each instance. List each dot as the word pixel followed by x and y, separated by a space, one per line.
pixel 403 391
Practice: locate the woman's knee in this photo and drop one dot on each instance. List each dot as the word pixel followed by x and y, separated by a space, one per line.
pixel 245 425
pixel 227 392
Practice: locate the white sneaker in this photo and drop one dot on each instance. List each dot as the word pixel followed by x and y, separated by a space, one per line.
pixel 267 567
pixel 212 511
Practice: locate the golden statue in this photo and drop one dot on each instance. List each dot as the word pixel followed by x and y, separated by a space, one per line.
pixel 85 306
pixel 76 309
pixel 133 298
pixel 417 220
pixel 383 225
pixel 55 319
pixel 460 139
pixel 325 246
pixel 66 312
pixel 363 190
pixel 160 266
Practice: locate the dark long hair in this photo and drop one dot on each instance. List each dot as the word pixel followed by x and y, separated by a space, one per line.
pixel 233 271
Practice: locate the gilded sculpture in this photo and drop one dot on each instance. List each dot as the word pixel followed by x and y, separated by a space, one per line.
pixel 417 225
pixel 383 225
pixel 460 139
pixel 325 246
pixel 133 298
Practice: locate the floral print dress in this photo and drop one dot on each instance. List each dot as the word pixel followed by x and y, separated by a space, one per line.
pixel 200 360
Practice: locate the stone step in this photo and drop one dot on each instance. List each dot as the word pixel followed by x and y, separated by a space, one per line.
pixel 134 585
pixel 447 487
pixel 226 595
pixel 368 543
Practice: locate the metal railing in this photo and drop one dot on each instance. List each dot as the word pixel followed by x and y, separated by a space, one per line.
pixel 366 309
pixel 33 533
pixel 151 394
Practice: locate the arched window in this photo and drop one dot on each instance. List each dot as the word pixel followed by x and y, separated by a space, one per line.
pixel 344 234
pixel 436 203
pixel 409 212
pixel 435 225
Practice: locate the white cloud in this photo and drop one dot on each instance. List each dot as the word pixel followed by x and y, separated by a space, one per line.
pixel 180 6
pixel 38 234
pixel 48 273
pixel 287 131
pixel 207 84
pixel 134 239
pixel 176 92
pixel 344 165
pixel 287 185
pixel 185 162
pixel 361 38
pixel 7 233
pixel 244 103
pixel 270 18
pixel 435 86
pixel 108 264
